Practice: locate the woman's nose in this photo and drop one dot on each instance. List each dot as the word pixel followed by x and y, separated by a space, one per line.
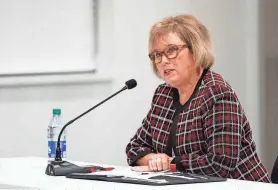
pixel 164 60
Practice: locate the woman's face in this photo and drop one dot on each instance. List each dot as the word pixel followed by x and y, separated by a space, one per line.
pixel 173 59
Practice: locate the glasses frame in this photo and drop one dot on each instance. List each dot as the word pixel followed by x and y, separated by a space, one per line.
pixel 180 47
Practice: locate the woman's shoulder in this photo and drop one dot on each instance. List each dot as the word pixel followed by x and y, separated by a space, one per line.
pixel 214 87
pixel 214 81
pixel 163 94
pixel 163 89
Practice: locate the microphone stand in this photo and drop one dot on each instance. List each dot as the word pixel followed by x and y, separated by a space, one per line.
pixel 60 167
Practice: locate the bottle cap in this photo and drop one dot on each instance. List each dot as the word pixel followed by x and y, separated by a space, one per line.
pixel 173 167
pixel 56 111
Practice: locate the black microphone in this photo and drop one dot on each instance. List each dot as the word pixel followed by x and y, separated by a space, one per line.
pixel 58 167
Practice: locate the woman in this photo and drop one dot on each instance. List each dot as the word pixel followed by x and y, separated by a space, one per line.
pixel 196 120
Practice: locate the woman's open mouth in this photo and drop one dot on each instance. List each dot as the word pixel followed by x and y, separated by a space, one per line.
pixel 168 72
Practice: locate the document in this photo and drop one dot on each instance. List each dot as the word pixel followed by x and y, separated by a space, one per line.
pixel 127 175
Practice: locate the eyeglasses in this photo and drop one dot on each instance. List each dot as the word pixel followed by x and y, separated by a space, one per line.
pixel 170 52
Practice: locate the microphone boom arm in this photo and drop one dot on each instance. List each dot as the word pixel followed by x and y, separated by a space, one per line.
pixel 58 156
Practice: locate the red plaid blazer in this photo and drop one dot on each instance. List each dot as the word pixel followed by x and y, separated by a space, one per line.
pixel 208 135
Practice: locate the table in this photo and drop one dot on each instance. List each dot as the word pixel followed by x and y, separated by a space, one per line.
pixel 29 172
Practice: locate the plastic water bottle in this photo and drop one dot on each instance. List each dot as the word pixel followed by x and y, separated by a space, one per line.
pixel 53 130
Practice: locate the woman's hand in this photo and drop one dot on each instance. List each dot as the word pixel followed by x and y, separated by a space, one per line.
pixel 153 162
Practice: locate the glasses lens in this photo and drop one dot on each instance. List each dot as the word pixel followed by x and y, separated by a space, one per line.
pixel 155 57
pixel 172 52
pixel 151 56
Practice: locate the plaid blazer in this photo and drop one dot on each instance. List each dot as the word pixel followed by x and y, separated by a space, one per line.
pixel 208 135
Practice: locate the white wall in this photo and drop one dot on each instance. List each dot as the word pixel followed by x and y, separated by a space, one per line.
pixel 102 135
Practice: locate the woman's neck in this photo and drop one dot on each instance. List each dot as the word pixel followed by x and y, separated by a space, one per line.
pixel 186 91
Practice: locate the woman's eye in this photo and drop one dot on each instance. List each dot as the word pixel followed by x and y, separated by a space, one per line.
pixel 157 54
pixel 171 50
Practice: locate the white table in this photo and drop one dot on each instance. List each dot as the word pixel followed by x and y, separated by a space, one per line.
pixel 29 172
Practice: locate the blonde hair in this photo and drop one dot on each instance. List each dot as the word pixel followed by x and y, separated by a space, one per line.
pixel 190 30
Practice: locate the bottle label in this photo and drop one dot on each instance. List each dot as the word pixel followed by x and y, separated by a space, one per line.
pixel 52 149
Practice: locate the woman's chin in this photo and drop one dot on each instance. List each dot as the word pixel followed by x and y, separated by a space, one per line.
pixel 172 82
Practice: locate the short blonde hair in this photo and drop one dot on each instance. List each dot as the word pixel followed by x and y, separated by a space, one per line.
pixel 191 31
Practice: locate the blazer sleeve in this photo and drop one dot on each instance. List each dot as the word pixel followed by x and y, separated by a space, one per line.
pixel 222 120
pixel 141 143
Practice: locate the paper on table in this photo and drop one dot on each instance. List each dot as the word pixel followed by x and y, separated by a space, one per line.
pixel 130 175
pixel 127 172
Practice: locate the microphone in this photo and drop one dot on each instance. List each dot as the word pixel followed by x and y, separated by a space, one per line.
pixel 58 167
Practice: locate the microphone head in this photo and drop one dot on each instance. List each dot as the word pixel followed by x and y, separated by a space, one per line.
pixel 130 84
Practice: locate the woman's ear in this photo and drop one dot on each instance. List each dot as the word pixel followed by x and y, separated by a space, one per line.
pixel 199 70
